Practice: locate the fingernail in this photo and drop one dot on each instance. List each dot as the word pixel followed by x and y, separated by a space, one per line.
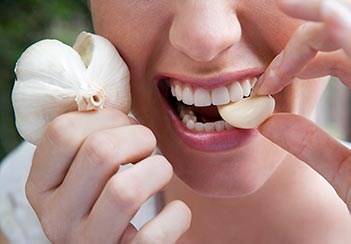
pixel 277 62
pixel 257 86
pixel 270 74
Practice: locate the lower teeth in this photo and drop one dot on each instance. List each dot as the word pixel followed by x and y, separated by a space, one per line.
pixel 190 121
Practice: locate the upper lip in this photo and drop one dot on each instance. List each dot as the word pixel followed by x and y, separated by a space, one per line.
pixel 211 82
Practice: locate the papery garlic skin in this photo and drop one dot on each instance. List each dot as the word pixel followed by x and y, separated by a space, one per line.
pixel 53 78
pixel 249 112
pixel 105 69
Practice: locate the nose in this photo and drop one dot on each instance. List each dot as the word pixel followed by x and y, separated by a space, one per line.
pixel 203 29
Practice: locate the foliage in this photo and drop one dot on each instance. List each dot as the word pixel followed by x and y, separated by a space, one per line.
pixel 23 22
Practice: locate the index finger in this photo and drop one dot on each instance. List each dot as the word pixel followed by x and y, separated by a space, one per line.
pixel 302 48
pixel 312 10
pixel 311 144
pixel 328 36
pixel 334 13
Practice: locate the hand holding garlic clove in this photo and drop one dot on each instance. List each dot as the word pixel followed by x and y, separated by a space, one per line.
pixel 54 78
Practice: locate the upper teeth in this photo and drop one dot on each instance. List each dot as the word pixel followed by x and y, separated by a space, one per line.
pixel 202 97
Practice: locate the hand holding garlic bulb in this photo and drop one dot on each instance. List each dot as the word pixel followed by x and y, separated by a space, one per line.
pixel 54 78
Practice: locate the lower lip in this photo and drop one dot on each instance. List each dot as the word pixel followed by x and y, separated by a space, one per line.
pixel 209 141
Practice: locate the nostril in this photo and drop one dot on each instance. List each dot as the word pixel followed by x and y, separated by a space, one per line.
pixel 200 47
pixel 205 32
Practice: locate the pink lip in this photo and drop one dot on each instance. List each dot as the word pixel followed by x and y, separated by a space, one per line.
pixel 210 141
pixel 214 141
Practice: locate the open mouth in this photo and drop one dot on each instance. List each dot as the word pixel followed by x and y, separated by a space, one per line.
pixel 196 107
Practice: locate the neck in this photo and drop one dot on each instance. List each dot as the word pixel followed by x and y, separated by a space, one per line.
pixel 234 219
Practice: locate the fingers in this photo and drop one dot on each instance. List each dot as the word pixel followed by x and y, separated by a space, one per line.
pixel 97 160
pixel 122 197
pixel 330 34
pixel 73 185
pixel 61 142
pixel 307 10
pixel 334 13
pixel 312 145
pixel 338 19
pixel 308 40
pixel 313 10
pixel 167 227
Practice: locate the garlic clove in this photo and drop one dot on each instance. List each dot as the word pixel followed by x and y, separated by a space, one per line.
pixel 52 62
pixel 53 78
pixel 249 112
pixel 30 121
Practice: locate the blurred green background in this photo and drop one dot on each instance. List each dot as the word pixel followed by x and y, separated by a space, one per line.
pixel 23 22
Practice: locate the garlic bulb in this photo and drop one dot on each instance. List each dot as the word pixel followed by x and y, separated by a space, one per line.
pixel 54 78
pixel 249 112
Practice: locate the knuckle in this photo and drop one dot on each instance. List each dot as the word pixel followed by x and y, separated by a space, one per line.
pixel 167 169
pixel 121 192
pixel 161 159
pixel 34 195
pixel 59 129
pixel 182 207
pixel 116 115
pixel 99 148
pixel 30 191
pixel 146 134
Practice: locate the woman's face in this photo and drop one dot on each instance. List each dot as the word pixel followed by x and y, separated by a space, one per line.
pixel 203 46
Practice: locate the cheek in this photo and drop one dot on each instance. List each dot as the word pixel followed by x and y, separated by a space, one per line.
pixel 137 37
pixel 124 24
pixel 143 102
pixel 264 21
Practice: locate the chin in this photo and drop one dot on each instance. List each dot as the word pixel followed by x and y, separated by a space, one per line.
pixel 230 174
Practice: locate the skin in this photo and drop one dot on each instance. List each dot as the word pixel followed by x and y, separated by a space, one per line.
pixel 257 193
pixel 3 238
